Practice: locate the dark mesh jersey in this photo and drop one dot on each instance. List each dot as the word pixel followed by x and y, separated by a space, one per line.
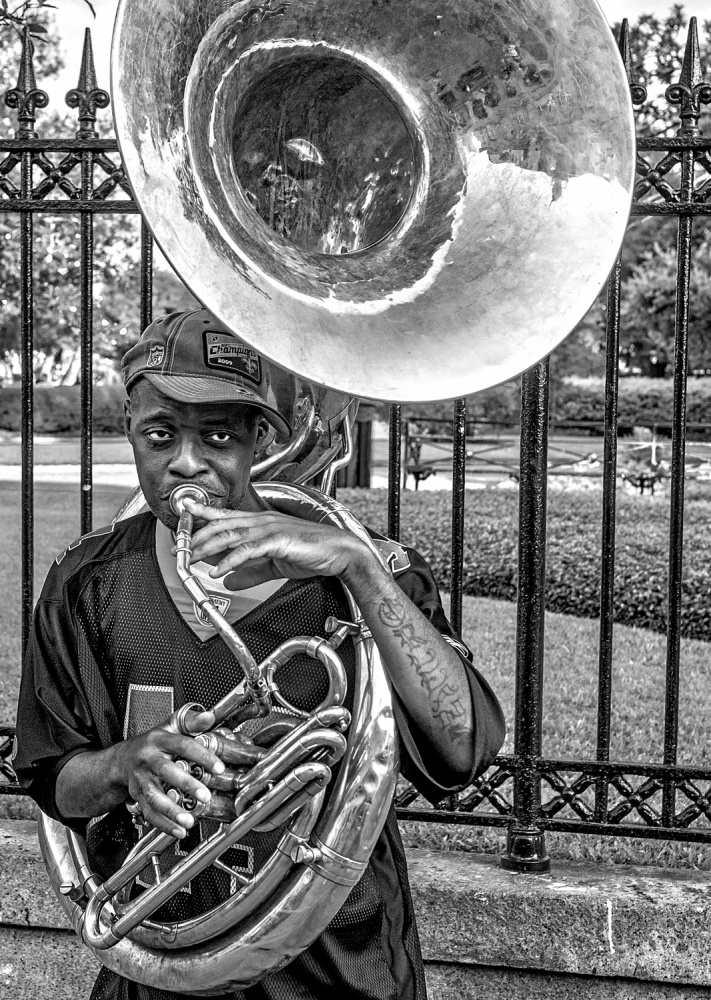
pixel 111 656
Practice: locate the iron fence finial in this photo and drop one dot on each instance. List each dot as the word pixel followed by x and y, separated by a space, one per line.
pixel 691 91
pixel 637 90
pixel 87 96
pixel 26 98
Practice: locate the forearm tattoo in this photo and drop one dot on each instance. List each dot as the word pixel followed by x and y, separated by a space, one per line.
pixel 444 694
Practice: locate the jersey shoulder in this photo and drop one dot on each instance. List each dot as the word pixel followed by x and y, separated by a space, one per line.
pixel 101 545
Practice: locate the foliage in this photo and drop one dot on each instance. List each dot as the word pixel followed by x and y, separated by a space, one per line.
pixel 498 404
pixel 573 551
pixel 641 402
pixel 56 244
pixel 57 409
pixel 57 252
pixel 648 256
pixel 47 54
pixel 649 304
pixel 28 14
pixel 56 273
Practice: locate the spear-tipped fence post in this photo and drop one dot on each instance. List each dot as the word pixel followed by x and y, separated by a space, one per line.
pixel 86 98
pixel 638 91
pixel 689 93
pixel 87 95
pixel 26 98
pixel 692 90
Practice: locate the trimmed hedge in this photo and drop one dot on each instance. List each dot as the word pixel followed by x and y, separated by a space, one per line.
pixel 57 409
pixel 499 403
pixel 641 401
pixel 573 553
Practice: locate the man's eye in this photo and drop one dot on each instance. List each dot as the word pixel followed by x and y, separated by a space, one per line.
pixel 219 437
pixel 158 434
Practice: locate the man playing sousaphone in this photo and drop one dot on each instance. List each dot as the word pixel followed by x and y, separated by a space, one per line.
pixel 117 645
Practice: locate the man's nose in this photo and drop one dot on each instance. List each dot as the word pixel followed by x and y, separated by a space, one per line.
pixel 188 459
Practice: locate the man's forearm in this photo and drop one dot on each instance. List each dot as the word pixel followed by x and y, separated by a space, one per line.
pixel 90 784
pixel 425 671
pixel 141 769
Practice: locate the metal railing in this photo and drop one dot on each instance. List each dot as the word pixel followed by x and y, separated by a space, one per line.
pixel 603 796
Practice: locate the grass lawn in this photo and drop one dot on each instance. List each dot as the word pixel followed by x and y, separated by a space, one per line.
pixel 570 699
pixel 570 718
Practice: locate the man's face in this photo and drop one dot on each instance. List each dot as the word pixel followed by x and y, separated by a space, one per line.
pixel 207 444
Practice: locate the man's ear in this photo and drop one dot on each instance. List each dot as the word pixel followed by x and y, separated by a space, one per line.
pixel 127 418
pixel 263 428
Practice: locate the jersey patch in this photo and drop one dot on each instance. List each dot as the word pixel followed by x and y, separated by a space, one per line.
pixel 395 555
pixel 221 603
pixel 147 705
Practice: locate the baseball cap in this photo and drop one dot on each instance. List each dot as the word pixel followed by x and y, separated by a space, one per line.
pixel 194 358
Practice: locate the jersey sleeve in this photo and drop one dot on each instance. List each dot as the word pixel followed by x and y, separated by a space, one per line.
pixel 420 764
pixel 54 719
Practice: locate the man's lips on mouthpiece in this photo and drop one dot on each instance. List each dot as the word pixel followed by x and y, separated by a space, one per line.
pixel 212 497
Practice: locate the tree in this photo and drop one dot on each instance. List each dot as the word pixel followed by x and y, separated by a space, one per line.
pixel 47 51
pixel 657 47
pixel 649 302
pixel 57 252
pixel 28 14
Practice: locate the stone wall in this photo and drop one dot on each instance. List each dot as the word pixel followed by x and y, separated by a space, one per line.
pixel 583 931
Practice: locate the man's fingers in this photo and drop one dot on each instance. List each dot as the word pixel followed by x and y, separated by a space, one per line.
pixel 184 746
pixel 176 777
pixel 160 810
pixel 222 536
pixel 228 521
pixel 238 555
pixel 204 512
pixel 199 722
pixel 249 576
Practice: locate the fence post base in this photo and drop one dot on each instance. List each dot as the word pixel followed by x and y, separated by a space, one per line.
pixel 526 851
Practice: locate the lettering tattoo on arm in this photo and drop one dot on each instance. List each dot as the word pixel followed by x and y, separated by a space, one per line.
pixel 444 694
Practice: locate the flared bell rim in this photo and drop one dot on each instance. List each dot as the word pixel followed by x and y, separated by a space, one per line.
pixel 485 309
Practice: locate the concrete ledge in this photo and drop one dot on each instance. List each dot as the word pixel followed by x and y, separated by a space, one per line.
pixel 477 982
pixel 637 923
pixel 26 897
pixel 584 931
pixel 44 965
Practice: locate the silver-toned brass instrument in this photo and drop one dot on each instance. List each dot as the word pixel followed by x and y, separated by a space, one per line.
pixel 327 841
pixel 401 201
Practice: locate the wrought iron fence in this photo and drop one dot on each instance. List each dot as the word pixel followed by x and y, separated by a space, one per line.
pixel 524 792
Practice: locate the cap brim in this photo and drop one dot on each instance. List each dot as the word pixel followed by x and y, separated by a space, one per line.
pixel 203 389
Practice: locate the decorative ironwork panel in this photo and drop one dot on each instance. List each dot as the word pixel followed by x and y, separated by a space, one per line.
pixel 635 800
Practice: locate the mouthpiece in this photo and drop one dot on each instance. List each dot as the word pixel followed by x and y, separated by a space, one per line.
pixel 187 492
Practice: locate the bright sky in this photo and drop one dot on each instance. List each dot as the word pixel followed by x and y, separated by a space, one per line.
pixel 73 16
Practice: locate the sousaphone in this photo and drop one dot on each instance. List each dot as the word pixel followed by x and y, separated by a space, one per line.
pixel 392 199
